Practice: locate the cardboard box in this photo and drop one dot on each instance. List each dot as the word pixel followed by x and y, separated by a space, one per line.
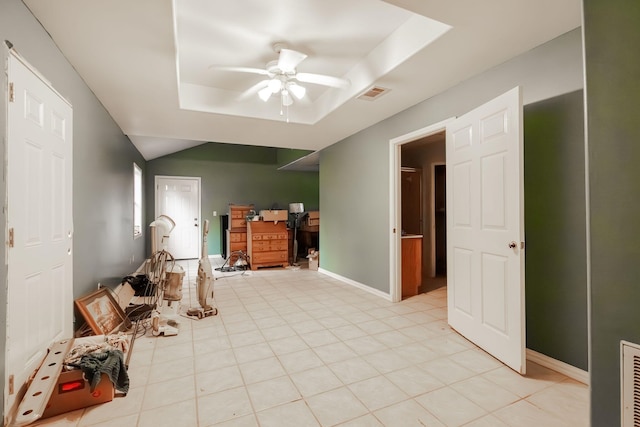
pixel 314 259
pixel 52 391
pixel 72 392
pixel 274 215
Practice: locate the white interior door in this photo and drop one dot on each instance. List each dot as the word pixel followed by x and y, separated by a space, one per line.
pixel 485 228
pixel 39 217
pixel 179 198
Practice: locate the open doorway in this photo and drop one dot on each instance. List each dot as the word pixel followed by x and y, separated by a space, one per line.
pixel 428 154
pixel 485 298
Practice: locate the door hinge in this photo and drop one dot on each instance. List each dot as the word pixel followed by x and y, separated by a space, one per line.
pixel 11 386
pixel 521 245
pixel 12 95
pixel 11 237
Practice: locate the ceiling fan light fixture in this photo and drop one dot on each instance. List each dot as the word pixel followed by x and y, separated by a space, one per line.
pixel 297 90
pixel 282 78
pixel 275 85
pixel 265 93
pixel 286 98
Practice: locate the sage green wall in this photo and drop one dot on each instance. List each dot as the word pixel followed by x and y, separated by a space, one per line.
pixel 354 195
pixel 612 65
pixel 354 173
pixel 103 159
pixel 555 229
pixel 236 174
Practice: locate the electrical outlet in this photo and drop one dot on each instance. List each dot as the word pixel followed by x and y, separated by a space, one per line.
pixel 215 213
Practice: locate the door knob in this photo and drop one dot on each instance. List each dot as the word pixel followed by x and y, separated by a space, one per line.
pixel 512 245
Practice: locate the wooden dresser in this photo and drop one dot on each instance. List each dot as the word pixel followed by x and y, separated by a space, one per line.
pixel 237 231
pixel 267 244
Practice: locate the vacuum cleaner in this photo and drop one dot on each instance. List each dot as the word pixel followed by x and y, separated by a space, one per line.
pixel 204 281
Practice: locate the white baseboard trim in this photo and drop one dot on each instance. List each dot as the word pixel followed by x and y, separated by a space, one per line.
pixel 358 285
pixel 558 366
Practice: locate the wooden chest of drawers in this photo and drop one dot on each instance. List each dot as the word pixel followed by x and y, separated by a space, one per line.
pixel 267 244
pixel 237 232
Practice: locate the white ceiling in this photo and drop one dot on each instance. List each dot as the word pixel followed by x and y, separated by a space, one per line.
pixel 149 61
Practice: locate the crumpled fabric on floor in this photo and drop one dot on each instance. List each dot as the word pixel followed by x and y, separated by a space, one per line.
pixel 110 362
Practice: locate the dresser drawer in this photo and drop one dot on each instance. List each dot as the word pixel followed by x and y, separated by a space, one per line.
pixel 260 245
pixel 279 245
pixel 237 237
pixel 269 245
pixel 264 257
pixel 236 214
pixel 239 223
pixel 238 246
pixel 268 236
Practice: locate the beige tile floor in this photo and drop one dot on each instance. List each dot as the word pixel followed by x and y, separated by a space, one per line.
pixel 298 348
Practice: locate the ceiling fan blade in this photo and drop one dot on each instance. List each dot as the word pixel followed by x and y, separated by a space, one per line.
pixel 289 60
pixel 251 70
pixel 321 79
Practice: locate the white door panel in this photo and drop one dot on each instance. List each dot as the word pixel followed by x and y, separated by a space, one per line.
pixel 179 198
pixel 39 212
pixel 485 214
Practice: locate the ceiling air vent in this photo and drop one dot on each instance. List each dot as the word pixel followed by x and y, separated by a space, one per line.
pixel 373 92
pixel 630 355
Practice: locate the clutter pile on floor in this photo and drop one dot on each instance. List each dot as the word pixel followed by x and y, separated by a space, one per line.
pixel 105 357
pixel 89 369
pixel 76 373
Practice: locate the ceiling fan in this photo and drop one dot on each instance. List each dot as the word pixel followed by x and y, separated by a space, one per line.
pixel 283 78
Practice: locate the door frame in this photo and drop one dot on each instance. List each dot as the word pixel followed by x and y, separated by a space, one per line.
pixel 395 205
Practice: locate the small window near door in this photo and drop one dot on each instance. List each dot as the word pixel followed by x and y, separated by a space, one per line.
pixel 137 201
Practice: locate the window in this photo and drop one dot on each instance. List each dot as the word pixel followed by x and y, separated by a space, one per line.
pixel 137 201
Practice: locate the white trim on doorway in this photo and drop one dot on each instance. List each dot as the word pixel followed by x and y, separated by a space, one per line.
pixel 395 272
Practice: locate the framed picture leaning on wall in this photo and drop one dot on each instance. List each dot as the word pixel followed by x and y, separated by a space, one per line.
pixel 102 312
